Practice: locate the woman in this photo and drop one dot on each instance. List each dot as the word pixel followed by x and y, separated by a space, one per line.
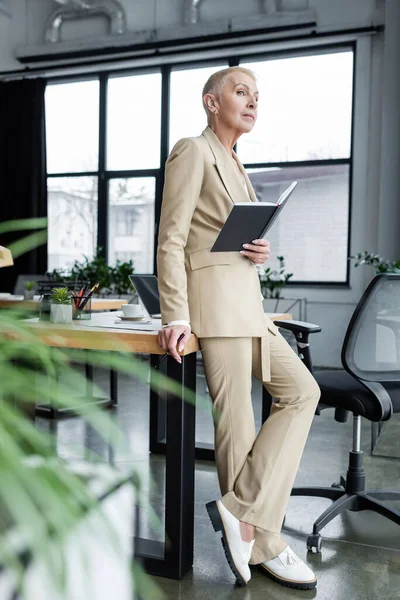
pixel 216 295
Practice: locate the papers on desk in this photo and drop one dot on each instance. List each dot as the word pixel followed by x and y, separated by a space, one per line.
pixel 108 321
pixel 150 325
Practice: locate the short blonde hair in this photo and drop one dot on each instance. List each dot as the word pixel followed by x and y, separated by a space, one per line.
pixel 216 81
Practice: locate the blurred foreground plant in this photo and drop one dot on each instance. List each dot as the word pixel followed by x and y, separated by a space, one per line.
pixel 42 506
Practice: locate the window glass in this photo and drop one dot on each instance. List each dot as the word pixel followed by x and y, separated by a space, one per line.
pixel 304 109
pixel 72 216
pixel 131 222
pixel 311 231
pixel 187 115
pixel 72 126
pixel 134 122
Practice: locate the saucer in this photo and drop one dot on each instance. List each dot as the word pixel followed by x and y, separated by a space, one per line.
pixel 123 318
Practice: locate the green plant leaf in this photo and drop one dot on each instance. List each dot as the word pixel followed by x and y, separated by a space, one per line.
pixel 23 224
pixel 28 243
pixel 42 503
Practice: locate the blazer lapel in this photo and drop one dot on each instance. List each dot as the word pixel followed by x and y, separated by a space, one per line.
pixel 249 186
pixel 228 173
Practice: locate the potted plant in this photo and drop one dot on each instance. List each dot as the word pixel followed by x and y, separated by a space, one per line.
pixel 380 264
pixel 120 278
pixel 61 305
pixel 29 288
pixel 111 280
pixel 273 280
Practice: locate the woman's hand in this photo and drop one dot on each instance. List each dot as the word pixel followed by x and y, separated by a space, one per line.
pixel 168 339
pixel 258 251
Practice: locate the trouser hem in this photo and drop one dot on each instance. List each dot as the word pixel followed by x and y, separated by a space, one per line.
pixel 240 512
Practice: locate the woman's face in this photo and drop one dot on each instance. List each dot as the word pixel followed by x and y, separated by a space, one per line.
pixel 237 102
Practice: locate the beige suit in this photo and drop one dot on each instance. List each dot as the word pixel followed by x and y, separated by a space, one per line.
pixel 219 293
pixel 201 184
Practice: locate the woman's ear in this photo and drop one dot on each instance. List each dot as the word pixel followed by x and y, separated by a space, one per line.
pixel 209 101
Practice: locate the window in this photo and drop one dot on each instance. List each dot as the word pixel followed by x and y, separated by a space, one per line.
pixel 134 122
pixel 187 116
pixel 72 127
pixel 305 109
pixel 311 231
pixel 119 217
pixel 72 214
pixel 72 130
pixel 303 133
pixel 108 138
pixel 131 222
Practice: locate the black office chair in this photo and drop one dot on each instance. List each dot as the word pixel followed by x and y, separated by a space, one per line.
pixel 368 386
pixel 19 287
pixel 45 286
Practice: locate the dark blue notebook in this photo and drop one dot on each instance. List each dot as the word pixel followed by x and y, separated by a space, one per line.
pixel 249 221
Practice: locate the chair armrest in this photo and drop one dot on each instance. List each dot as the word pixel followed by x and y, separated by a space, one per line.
pixel 301 331
pixel 298 326
pixel 382 395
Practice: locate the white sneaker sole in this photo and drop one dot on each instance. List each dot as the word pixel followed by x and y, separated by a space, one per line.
pixel 219 525
pixel 290 583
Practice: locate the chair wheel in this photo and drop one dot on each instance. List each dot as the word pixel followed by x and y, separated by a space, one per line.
pixel 314 542
pixel 337 485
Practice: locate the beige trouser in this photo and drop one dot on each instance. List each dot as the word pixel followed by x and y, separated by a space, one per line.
pixel 256 472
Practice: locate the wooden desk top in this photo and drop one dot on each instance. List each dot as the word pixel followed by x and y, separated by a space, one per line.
pixel 97 303
pixel 90 337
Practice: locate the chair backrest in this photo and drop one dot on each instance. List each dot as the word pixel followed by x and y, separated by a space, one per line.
pixel 19 286
pixel 46 285
pixel 371 348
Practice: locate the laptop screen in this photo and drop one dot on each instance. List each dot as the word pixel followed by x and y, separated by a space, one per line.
pixel 147 289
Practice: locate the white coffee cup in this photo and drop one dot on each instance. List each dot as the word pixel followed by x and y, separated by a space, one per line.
pixel 132 310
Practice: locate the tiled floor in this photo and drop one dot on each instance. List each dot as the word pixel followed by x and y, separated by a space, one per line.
pixel 360 557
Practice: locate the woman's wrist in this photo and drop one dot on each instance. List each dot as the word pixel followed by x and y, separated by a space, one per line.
pixel 178 322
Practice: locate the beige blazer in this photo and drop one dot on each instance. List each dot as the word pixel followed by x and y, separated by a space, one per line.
pixel 218 292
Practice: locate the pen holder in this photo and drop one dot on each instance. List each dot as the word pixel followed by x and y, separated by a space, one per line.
pixel 81 307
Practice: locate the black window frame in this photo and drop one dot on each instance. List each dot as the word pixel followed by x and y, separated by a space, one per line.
pixel 104 175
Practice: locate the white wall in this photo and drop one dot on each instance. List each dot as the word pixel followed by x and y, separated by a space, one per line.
pixel 375 211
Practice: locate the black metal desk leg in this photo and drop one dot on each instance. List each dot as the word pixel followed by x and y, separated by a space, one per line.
pixel 157 428
pixel 179 478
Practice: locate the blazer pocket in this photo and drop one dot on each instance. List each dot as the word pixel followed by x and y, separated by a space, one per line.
pixel 205 258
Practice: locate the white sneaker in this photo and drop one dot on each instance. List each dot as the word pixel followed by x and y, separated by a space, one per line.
pixel 237 551
pixel 289 570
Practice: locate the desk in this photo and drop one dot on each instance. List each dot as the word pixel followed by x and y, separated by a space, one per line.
pixel 18 302
pixel 175 558
pixel 172 432
pixel 203 451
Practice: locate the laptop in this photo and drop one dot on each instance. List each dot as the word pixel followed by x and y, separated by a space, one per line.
pixel 147 289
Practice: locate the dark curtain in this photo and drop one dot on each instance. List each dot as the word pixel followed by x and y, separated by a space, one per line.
pixel 23 188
